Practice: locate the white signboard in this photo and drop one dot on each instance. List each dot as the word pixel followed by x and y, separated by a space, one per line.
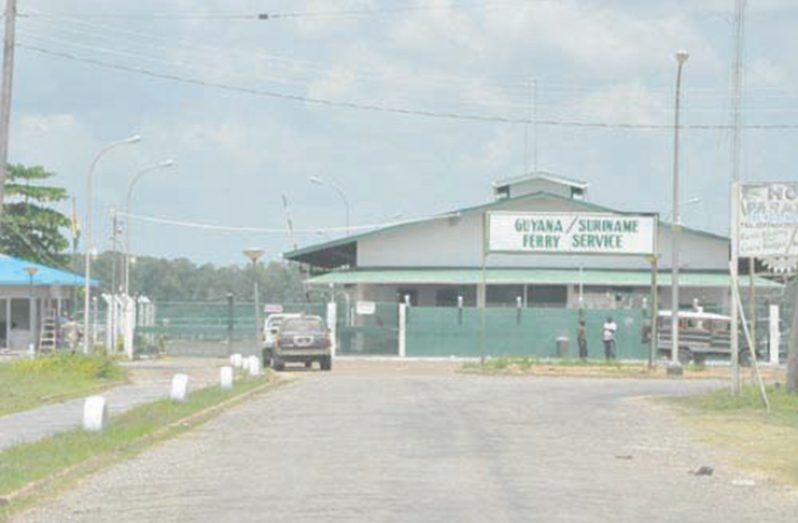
pixel 768 220
pixel 561 233
pixel 366 308
pixel 273 308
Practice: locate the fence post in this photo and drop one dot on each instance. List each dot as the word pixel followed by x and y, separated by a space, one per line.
pixel 230 321
pixel 402 330
pixel 774 337
pixel 332 324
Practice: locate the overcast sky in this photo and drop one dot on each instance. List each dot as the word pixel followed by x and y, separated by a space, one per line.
pixel 237 152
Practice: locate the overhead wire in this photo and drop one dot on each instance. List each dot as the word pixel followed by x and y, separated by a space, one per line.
pixel 379 107
pixel 276 15
pixel 262 230
pixel 518 86
pixel 472 93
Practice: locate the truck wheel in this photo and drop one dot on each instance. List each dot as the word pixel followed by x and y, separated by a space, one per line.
pixel 326 363
pixel 278 364
pixel 700 359
pixel 308 364
pixel 685 355
pixel 266 358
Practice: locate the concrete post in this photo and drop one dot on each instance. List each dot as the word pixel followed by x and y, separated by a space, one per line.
pixel 774 340
pixel 332 324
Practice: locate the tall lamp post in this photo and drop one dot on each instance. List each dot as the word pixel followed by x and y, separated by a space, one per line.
pixel 87 331
pixel 681 58
pixel 128 210
pixel 337 188
pixel 254 254
pixel 31 270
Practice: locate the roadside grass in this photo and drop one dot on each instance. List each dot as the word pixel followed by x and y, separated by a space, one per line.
pixel 71 454
pixel 533 365
pixel 755 440
pixel 28 383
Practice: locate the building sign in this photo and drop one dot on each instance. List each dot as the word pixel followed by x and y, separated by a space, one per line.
pixel 768 220
pixel 561 233
pixel 273 308
pixel 365 308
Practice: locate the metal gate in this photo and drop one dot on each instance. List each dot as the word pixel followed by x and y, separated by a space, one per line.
pixel 368 328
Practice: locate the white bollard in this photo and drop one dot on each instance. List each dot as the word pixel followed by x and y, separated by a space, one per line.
pixel 254 366
pixel 95 414
pixel 226 378
pixel 245 364
pixel 179 387
pixel 236 360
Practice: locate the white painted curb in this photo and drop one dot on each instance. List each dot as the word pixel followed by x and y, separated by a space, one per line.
pixel 179 387
pixel 226 378
pixel 95 414
pixel 254 366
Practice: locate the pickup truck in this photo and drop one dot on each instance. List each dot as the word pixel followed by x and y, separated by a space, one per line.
pixel 301 339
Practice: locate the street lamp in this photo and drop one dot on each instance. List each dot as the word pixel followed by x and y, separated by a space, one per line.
pixel 681 58
pixel 31 270
pixel 254 254
pixel 87 334
pixel 320 181
pixel 128 210
pixel 695 200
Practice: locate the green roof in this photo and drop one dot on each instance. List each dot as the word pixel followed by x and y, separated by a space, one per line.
pixel 529 276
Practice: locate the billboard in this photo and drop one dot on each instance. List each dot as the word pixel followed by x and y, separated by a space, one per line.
pixel 571 233
pixel 767 221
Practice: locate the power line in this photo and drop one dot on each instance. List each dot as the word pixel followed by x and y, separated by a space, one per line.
pixel 245 229
pixel 293 66
pixel 386 108
pixel 277 15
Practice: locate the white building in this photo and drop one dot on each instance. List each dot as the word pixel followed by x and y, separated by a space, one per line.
pixel 438 260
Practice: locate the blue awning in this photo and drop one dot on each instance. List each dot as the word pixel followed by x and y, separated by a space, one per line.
pixel 13 272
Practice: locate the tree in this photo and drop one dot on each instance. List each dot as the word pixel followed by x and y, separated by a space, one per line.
pixel 182 280
pixel 31 229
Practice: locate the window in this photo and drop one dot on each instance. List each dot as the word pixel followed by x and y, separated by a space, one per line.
pixel 548 295
pixel 446 297
pixel 504 295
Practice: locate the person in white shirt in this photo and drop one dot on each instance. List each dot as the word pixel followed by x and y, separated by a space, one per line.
pixel 608 336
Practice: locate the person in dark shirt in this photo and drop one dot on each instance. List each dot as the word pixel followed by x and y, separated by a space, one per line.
pixel 581 340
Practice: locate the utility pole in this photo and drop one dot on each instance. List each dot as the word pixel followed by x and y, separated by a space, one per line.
pixel 5 93
pixel 532 116
pixel 737 75
pixel 792 356
pixel 112 309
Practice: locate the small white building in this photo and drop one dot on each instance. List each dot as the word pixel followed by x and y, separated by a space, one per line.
pixel 30 292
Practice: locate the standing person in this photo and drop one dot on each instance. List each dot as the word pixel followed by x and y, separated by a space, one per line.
pixel 581 340
pixel 608 336
pixel 71 334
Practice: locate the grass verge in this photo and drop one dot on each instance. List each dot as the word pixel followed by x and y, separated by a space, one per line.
pixel 761 442
pixel 29 383
pixel 31 469
pixel 560 367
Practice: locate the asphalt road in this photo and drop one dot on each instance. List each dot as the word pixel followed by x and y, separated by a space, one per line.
pixel 398 445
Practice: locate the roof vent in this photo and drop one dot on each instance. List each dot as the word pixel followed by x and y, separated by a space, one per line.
pixel 540 182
